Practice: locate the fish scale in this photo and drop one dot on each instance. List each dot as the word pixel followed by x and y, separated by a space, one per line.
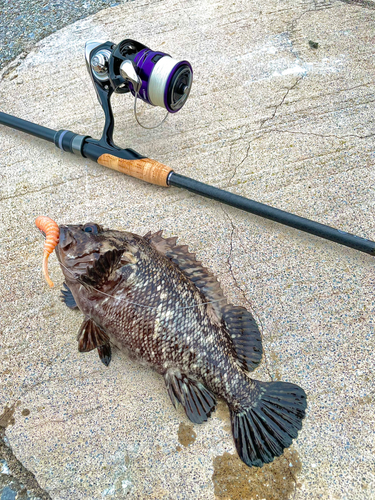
pixel 152 298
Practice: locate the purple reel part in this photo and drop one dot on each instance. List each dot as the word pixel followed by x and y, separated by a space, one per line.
pixel 166 82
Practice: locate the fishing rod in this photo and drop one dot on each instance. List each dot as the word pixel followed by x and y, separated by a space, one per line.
pixel 160 80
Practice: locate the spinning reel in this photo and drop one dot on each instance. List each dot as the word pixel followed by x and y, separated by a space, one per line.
pixel 152 76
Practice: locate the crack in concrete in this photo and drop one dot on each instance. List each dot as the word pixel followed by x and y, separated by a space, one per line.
pixel 242 292
pixel 69 418
pixel 245 156
pixel 33 386
pixel 277 106
pixel 294 132
pixel 303 113
pixel 267 130
pixel 27 193
pixel 325 136
pixel 309 98
pixel 293 23
pixel 262 133
pixel 315 5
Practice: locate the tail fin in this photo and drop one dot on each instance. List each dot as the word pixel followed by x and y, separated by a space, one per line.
pixel 268 424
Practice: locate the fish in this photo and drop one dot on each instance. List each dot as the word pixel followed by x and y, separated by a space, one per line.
pixel 152 298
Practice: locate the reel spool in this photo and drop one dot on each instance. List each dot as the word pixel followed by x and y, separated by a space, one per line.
pixel 130 67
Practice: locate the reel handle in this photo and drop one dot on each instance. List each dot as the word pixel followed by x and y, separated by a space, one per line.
pixel 146 169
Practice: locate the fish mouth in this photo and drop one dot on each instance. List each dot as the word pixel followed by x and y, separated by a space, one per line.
pixel 72 253
pixel 65 239
pixel 65 242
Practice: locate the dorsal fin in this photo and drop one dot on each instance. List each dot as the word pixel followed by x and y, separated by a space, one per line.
pixel 162 245
pixel 205 281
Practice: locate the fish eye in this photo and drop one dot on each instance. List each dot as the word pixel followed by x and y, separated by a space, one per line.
pixel 90 228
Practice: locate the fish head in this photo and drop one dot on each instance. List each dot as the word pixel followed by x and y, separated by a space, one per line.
pixel 84 247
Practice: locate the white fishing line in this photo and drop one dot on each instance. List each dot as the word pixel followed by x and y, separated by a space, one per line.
pixel 141 124
pixel 135 303
pixel 158 80
pixel 156 87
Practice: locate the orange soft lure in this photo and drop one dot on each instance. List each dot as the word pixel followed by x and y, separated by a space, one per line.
pixel 52 232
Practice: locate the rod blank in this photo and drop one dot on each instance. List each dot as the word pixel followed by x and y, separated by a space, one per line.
pixel 274 214
pixel 94 150
pixel 29 127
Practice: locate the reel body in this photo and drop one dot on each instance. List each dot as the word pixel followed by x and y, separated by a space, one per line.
pixel 152 76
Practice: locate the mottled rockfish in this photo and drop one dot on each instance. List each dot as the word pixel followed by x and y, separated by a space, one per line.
pixel 152 298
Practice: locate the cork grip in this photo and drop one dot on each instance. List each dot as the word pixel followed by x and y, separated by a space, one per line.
pixel 146 169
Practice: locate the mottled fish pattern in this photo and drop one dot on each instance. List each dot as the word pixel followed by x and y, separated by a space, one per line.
pixel 152 298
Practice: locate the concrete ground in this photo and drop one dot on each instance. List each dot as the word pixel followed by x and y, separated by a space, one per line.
pixel 281 111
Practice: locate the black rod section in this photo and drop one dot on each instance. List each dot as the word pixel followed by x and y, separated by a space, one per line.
pixel 90 148
pixel 254 207
pixel 30 128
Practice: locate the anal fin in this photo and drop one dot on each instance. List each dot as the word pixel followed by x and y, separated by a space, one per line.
pixel 90 336
pixel 198 402
pixel 67 297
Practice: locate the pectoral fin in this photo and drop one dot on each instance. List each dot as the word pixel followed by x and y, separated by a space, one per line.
pixel 90 336
pixel 100 272
pixel 105 354
pixel 67 297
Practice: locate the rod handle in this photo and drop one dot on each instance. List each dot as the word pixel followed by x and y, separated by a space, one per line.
pixel 145 169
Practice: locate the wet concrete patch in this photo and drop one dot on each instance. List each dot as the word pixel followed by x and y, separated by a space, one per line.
pixel 7 417
pixel 186 434
pixel 275 481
